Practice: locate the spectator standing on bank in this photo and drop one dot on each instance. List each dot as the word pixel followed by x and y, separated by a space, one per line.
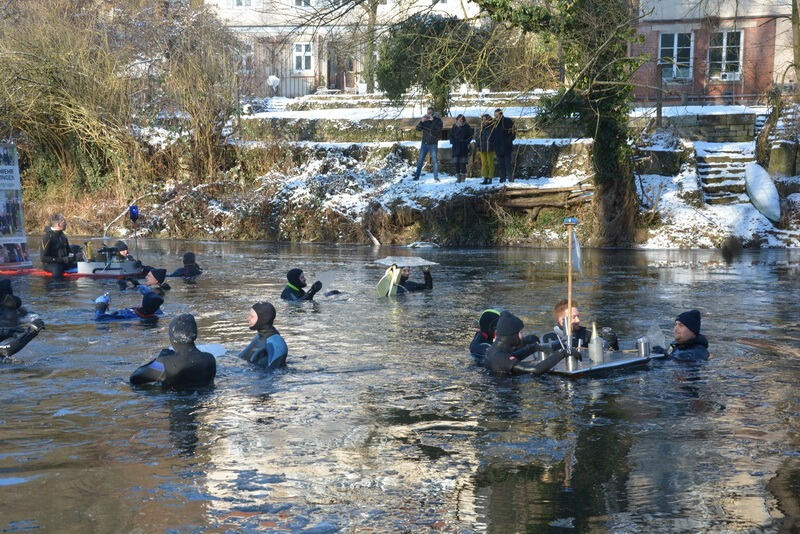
pixel 485 149
pixel 460 138
pixel 431 127
pixel 504 135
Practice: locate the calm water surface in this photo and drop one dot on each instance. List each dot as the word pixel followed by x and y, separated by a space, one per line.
pixel 381 422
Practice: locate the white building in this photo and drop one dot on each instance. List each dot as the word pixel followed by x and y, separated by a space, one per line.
pixel 313 44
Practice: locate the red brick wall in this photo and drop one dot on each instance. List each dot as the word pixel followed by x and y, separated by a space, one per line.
pixel 757 64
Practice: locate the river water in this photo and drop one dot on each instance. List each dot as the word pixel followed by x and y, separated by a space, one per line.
pixel 381 422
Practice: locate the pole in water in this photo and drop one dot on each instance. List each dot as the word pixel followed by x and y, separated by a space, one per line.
pixel 570 222
pixel 133 213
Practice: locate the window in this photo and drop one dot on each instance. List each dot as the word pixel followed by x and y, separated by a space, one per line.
pixel 302 57
pixel 241 3
pixel 675 54
pixel 302 3
pixel 725 55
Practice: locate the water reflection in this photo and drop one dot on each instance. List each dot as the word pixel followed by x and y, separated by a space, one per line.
pixel 381 422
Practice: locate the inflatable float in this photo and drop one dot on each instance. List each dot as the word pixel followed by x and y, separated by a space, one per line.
pixel 86 269
pixel 762 191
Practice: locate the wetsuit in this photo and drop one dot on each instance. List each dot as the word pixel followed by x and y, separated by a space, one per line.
pixel 149 310
pixel 183 366
pixel 485 335
pixel 294 289
pixel 13 335
pixel 267 349
pixel 56 253
pixel 508 349
pixel 409 285
pixel 190 269
pixel 694 350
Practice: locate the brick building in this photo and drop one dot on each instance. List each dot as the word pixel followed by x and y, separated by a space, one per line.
pixel 713 51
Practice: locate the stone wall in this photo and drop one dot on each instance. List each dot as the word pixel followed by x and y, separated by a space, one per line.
pixel 730 128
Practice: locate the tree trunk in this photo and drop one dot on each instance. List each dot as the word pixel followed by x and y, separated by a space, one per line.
pixel 796 44
pixel 369 52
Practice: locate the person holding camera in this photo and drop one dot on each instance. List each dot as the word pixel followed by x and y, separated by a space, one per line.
pixel 431 127
pixel 57 256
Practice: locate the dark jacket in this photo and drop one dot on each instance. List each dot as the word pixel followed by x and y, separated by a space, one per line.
pixel 484 137
pixel 694 350
pixel 292 292
pixel 182 367
pixel 431 130
pixel 503 136
pixel 508 351
pixel 187 271
pixel 13 335
pixel 55 247
pixel 460 138
pixel 410 285
pixel 267 350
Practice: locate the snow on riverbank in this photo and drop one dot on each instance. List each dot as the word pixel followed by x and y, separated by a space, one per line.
pixel 705 226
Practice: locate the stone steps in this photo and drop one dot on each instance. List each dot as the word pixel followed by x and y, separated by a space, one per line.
pixel 721 172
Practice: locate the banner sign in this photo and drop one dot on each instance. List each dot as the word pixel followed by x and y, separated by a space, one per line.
pixel 14 249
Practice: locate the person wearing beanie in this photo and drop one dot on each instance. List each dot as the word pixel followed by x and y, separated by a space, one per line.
pixel 510 348
pixel 182 366
pixel 689 345
pixel 150 309
pixel 14 335
pixel 581 336
pixel 122 252
pixel 56 254
pixel 294 289
pixel 190 269
pixel 484 337
pixel 406 285
pixel 268 349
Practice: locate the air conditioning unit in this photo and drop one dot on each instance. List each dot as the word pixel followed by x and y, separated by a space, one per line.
pixel 729 76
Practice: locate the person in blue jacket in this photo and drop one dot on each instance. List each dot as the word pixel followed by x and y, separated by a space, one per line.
pixel 154 280
pixel 689 345
pixel 484 337
pixel 182 366
pixel 267 349
pixel 13 334
pixel 149 310
pixel 190 269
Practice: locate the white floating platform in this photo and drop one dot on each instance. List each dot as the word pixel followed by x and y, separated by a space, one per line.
pixel 573 368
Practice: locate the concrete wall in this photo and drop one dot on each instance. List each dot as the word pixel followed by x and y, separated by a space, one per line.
pixel 712 128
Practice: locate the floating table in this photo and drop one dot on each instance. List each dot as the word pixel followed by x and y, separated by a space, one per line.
pixel 571 367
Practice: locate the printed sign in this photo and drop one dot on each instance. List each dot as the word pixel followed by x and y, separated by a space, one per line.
pixel 14 249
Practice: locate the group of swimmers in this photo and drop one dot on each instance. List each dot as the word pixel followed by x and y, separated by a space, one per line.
pixel 498 344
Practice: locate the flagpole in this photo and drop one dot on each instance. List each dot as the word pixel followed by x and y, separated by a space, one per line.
pixel 570 222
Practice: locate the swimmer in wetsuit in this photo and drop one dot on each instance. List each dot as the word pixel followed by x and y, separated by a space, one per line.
pixel 689 345
pixel 13 334
pixel 484 337
pixel 184 365
pixel 267 349
pixel 153 281
pixel 190 269
pixel 294 289
pixel 510 347
pixel 406 285
pixel 149 310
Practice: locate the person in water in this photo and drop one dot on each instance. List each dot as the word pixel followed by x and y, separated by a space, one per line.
pixel 123 254
pixel 13 334
pixel 149 310
pixel 267 349
pixel 404 284
pixel 484 337
pixel 190 269
pixel 56 253
pixel 294 289
pixel 510 348
pixel 580 334
pixel 183 365
pixel 689 345
pixel 153 281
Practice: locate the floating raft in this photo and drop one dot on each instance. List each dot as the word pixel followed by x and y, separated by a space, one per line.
pixel 571 367
pixel 85 269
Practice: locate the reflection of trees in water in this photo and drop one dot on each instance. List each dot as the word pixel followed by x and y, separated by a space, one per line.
pixel 785 486
pixel 588 481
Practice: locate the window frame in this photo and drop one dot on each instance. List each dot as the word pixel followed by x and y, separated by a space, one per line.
pixel 674 65
pixel 242 4
pixel 306 53
pixel 723 63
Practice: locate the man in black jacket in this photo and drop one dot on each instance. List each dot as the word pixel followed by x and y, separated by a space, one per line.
pixel 56 254
pixel 431 127
pixel 504 135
